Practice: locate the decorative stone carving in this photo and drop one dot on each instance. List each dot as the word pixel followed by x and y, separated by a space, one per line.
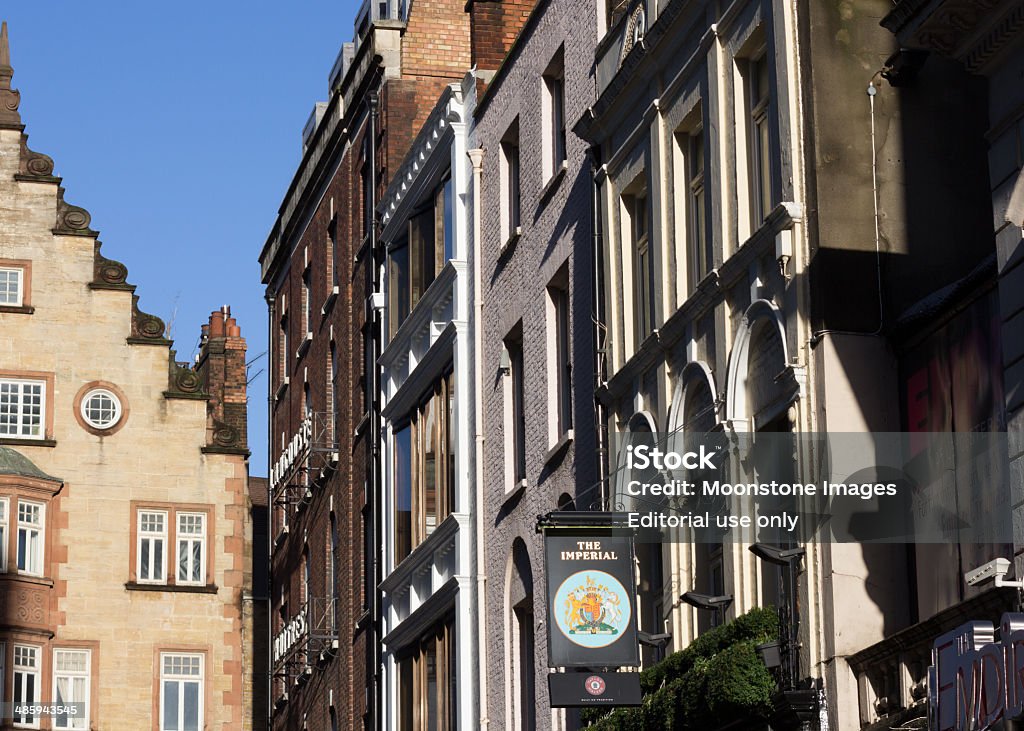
pixel 146 327
pixel 24 604
pixel 224 436
pixel 182 381
pixel 107 273
pixel 35 164
pixel 72 220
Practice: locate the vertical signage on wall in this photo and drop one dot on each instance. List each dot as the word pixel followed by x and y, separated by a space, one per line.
pixel 591 598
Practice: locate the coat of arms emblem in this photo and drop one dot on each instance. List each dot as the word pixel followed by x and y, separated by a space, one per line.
pixel 592 608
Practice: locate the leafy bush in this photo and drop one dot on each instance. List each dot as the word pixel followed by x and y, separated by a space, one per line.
pixel 717 679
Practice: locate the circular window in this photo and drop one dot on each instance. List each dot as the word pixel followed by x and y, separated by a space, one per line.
pixel 101 409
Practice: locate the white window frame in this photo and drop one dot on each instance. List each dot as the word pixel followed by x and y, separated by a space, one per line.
pixel 19 296
pixel 80 721
pixel 33 562
pixel 181 679
pixel 553 112
pixel 99 393
pixel 761 153
pixel 5 521
pixel 22 428
pixel 511 194
pixel 153 537
pixel 23 672
pixel 559 361
pixel 188 542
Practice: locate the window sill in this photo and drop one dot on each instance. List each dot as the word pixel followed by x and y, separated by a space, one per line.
pixel 281 389
pixel 515 490
pixel 329 302
pixel 304 345
pixel 175 588
pixel 27 442
pixel 563 441
pixel 13 575
pixel 553 182
pixel 510 242
pixel 18 310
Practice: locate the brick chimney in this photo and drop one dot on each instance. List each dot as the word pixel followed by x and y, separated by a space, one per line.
pixel 221 368
pixel 494 26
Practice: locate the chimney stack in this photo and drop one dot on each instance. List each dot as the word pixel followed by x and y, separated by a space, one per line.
pixel 222 369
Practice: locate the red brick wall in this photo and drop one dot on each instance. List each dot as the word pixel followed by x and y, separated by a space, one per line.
pixel 436 39
pixel 494 25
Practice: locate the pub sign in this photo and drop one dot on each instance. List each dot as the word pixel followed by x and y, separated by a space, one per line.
pixel 591 599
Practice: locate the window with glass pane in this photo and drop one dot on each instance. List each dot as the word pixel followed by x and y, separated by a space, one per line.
pixel 30 538
pixel 191 548
pixel 71 685
pixel 152 536
pixel 10 287
pixel 698 253
pixel 307 302
pixel 554 116
pixel 26 682
pixel 101 408
pixel 444 215
pixel 4 506
pixel 509 164
pixel 21 408
pixel 181 692
pixel 561 365
pixel 424 464
pixel 760 143
pixel 403 493
pixel 426 690
pixel 643 266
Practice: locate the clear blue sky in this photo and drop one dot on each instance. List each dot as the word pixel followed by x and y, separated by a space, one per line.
pixel 178 127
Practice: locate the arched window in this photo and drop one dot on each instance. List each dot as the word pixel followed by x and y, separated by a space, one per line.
pixel 520 646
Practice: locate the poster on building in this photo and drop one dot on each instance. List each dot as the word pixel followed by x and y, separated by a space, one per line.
pixel 591 599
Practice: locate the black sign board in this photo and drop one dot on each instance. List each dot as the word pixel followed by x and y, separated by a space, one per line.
pixel 591 598
pixel 582 689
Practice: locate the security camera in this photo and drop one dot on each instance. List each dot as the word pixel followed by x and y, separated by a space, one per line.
pixel 994 570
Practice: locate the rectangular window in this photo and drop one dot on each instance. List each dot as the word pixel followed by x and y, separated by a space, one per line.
pixel 11 287
pixel 698 261
pixel 553 107
pixel 181 692
pixel 515 411
pixel 192 548
pixel 559 361
pixel 444 222
pixel 22 407
pixel 414 263
pixel 71 675
pixel 638 212
pixel 152 546
pixel 403 493
pixel 30 538
pixel 26 683
pixel 424 469
pixel 284 347
pixel 510 209
pixel 307 303
pixel 427 683
pixel 4 507
pixel 759 90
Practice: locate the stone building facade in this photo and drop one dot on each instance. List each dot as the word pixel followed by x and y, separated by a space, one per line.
pixel 125 538
pixel 779 241
pixel 321 266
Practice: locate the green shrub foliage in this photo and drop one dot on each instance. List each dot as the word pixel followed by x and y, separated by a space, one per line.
pixel 718 679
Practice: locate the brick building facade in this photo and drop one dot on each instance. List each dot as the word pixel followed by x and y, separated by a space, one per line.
pixel 125 536
pixel 533 237
pixel 321 265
